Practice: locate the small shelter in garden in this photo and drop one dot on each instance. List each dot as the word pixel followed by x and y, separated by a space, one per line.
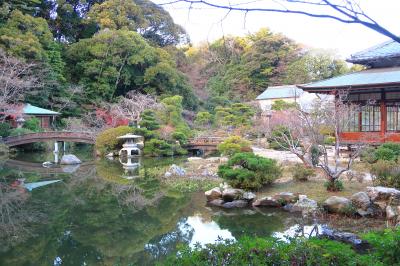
pixel 17 114
pixel 287 93
pixel 376 90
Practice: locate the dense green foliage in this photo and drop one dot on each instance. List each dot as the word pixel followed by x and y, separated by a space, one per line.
pixel 301 172
pixel 235 115
pixel 386 173
pixel 5 129
pixel 249 171
pixel 107 140
pixel 280 105
pixel 270 251
pixel 32 124
pixel 234 144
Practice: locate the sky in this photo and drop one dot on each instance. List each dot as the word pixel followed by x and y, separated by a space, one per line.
pixel 205 24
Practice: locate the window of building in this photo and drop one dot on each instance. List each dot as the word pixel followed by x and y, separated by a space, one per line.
pixel 370 118
pixel 393 117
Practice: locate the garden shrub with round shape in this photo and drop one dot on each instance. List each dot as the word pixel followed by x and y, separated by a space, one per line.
pixel 234 144
pixel 386 173
pixel 5 129
pixel 385 154
pixel 33 124
pixel 301 172
pixel 158 147
pixel 275 141
pixel 249 171
pixel 107 140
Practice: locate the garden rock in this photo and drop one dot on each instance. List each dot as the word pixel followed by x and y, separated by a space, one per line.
pixel 337 204
pixel 167 174
pixel 176 170
pixel 194 159
pixel 345 237
pixel 361 200
pixel 249 196
pixel 382 193
pixel 70 159
pixel 230 194
pixel 286 197
pixel 235 204
pixel 390 213
pixel 213 194
pixel 217 202
pixel 303 205
pixel 267 202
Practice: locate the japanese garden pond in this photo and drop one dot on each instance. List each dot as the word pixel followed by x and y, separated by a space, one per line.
pixel 101 214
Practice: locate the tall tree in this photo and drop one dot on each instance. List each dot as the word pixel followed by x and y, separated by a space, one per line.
pixel 113 62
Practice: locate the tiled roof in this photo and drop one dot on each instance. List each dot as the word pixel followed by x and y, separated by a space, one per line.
pixel 278 92
pixel 34 110
pixel 374 76
pixel 384 50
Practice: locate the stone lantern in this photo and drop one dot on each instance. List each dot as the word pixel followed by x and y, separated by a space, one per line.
pixel 20 122
pixel 132 146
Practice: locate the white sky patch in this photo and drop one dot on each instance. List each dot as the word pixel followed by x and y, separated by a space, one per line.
pixel 207 24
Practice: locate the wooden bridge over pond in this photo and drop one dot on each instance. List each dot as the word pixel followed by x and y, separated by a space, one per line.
pixel 62 136
pixel 203 144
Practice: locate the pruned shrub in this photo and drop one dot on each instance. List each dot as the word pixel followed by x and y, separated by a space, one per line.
pixel 5 130
pixel 386 173
pixel 334 185
pixel 368 155
pixel 33 124
pixel 249 171
pixel 158 147
pixel 329 140
pixel 180 137
pixel 234 144
pixel 301 172
pixel 107 140
pixel 385 154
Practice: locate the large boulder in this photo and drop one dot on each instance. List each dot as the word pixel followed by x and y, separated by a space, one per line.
pixel 286 197
pixel 382 193
pixel 303 205
pixel 235 204
pixel 337 204
pixel 216 202
pixel 70 159
pixel 345 237
pixel 231 194
pixel 249 196
pixel 176 170
pixel 267 202
pixel 361 200
pixel 213 194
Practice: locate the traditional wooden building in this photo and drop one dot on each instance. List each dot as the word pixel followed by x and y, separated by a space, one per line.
pixel 376 90
pixel 19 113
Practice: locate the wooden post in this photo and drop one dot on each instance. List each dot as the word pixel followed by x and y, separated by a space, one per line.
pixel 383 117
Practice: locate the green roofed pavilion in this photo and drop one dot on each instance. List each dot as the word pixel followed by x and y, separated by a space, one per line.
pixel 34 110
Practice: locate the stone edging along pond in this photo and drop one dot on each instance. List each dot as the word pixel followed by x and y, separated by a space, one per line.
pixel 374 202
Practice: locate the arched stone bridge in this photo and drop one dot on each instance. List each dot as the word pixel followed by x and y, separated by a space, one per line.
pixel 67 136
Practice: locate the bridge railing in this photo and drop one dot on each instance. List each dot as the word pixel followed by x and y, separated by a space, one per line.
pixel 49 134
pixel 205 141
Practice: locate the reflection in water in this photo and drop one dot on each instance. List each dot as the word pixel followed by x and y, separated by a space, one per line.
pixel 131 166
pixel 99 215
pixel 206 232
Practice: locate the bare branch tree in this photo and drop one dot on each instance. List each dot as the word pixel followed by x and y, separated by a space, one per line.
pixel 304 130
pixel 344 11
pixel 133 104
pixel 16 77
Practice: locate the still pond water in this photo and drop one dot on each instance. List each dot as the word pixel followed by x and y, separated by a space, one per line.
pixel 104 213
